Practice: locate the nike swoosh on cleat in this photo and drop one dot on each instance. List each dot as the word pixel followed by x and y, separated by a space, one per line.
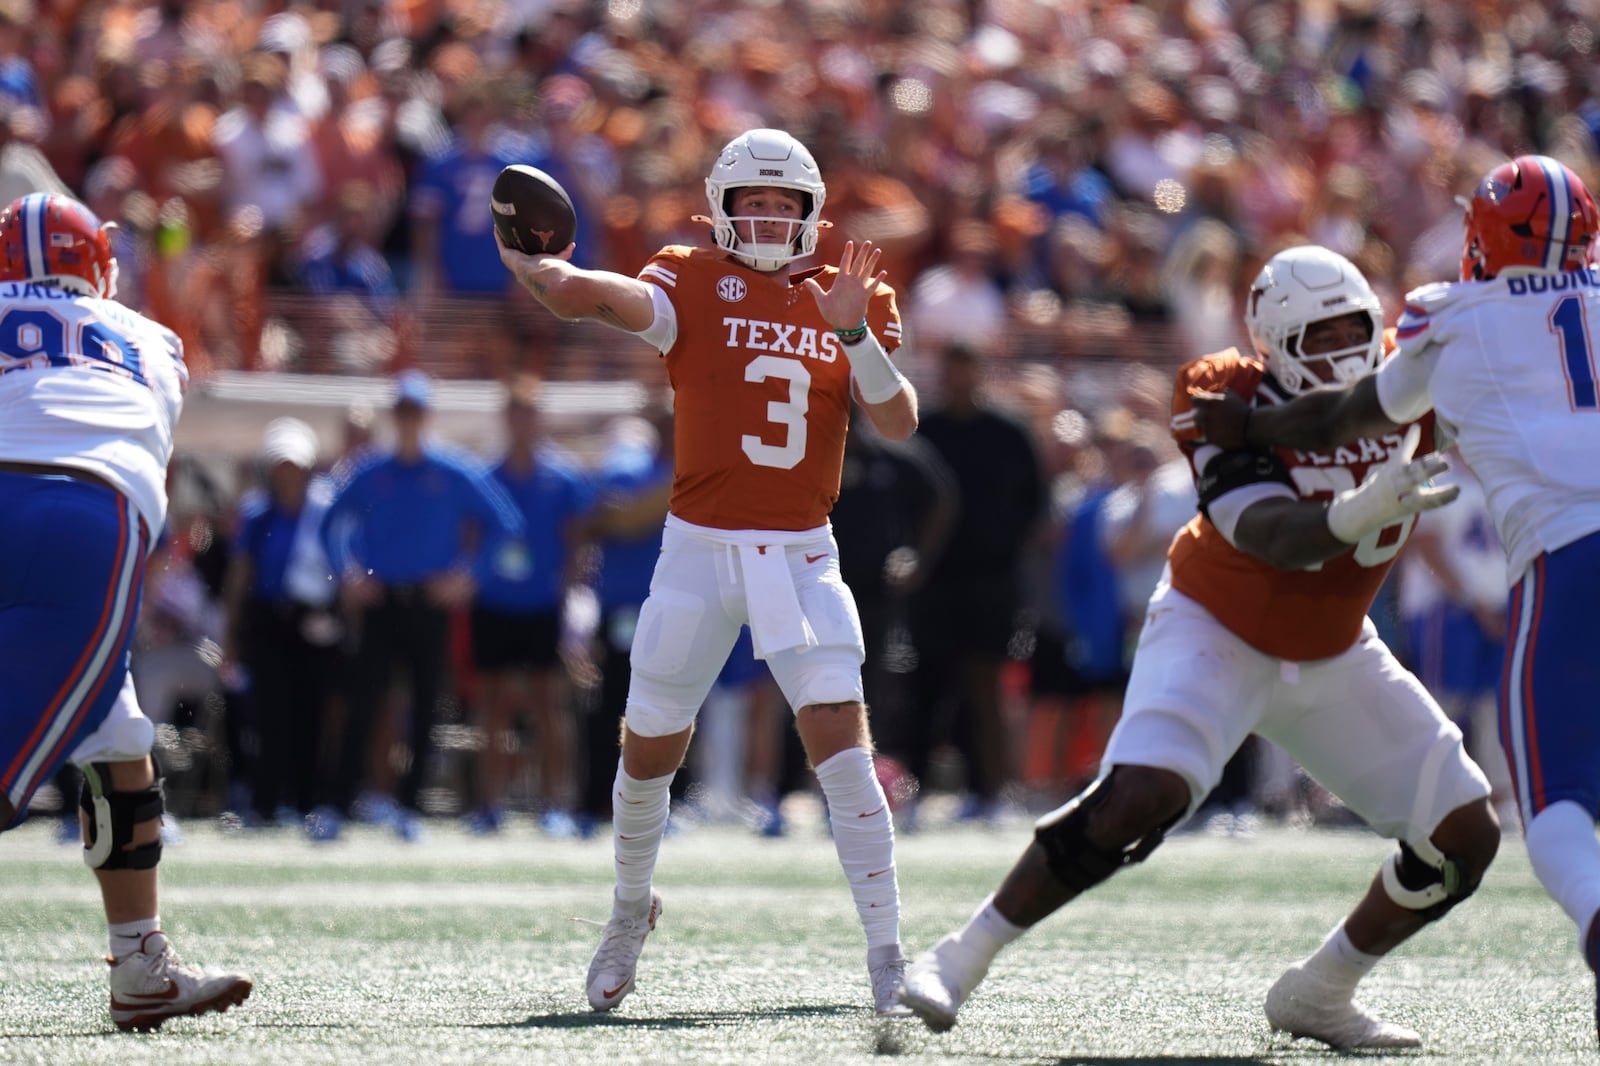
pixel 869 814
pixel 814 558
pixel 609 993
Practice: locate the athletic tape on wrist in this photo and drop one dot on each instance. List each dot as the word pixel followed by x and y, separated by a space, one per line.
pixel 880 379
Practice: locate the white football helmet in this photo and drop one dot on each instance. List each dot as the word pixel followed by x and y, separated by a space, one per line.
pixel 1297 287
pixel 765 157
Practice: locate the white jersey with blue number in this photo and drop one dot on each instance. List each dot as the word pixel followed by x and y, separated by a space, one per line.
pixel 1509 365
pixel 89 384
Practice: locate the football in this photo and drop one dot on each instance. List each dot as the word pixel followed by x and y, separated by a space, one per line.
pixel 532 212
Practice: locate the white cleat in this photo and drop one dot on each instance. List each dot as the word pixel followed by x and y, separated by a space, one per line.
pixel 939 981
pixel 887 973
pixel 151 985
pixel 617 958
pixel 1303 1004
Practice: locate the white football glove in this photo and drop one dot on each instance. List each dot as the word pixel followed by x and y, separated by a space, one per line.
pixel 1398 488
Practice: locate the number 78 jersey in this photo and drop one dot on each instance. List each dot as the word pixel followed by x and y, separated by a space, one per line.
pixel 761 391
pixel 89 384
pixel 1300 615
pixel 1508 365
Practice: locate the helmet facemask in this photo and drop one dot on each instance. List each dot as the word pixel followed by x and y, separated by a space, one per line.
pixel 1300 372
pixel 1298 288
pixel 770 159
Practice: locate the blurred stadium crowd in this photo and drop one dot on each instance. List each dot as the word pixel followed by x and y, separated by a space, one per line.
pixel 1072 197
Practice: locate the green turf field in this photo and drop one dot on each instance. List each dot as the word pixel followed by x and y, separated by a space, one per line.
pixel 461 950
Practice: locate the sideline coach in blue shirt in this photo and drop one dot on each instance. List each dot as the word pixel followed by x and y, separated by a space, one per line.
pixel 411 533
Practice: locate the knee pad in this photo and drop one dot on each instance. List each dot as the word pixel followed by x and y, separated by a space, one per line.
pixel 1426 880
pixel 111 818
pixel 1079 863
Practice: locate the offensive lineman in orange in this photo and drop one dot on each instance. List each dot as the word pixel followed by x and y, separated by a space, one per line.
pixel 762 365
pixel 1259 625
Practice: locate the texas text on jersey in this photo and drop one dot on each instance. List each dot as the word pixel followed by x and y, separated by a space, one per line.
pixel 1298 615
pixel 761 391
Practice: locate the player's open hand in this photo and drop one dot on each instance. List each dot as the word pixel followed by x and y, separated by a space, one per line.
pixel 845 305
pixel 1220 418
pixel 1402 486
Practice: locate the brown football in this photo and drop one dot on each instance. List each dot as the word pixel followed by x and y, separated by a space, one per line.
pixel 532 212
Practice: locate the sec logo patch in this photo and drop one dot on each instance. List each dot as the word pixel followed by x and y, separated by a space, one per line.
pixel 731 289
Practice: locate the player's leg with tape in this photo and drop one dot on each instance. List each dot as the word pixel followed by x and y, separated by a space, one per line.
pixel 1178 728
pixel 121 806
pixel 682 639
pixel 824 684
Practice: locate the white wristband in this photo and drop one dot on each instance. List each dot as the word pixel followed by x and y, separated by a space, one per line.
pixel 880 380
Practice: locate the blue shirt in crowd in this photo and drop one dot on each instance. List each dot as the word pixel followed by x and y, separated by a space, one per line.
pixel 548 497
pixel 626 566
pixel 407 522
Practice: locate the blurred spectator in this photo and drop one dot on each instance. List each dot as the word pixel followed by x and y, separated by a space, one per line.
pixel 1155 497
pixel 270 171
pixel 411 533
pixel 282 629
pixel 453 234
pixel 964 615
pixel 341 258
pixel 633 485
pixel 517 621
pixel 960 302
pixel 897 504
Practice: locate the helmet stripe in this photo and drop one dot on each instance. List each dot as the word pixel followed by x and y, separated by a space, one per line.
pixel 1555 241
pixel 33 212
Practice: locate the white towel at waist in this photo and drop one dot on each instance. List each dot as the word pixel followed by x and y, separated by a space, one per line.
pixel 777 621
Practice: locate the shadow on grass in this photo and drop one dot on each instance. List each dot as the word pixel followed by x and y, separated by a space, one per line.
pixel 1166 1060
pixel 1210 1060
pixel 690 1019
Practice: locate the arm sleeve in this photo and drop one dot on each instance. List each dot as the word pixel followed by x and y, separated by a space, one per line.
pixel 1404 382
pixel 1233 481
pixel 662 333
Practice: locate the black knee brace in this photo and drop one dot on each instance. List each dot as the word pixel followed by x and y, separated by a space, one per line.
pixel 1078 862
pixel 1427 881
pixel 111 818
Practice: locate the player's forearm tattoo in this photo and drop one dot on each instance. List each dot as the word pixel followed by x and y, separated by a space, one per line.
pixel 534 285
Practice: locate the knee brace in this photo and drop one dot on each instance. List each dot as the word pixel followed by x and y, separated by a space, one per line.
pixel 1078 862
pixel 1426 880
pixel 111 818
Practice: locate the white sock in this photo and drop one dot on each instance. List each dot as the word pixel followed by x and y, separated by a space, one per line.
pixel 1340 962
pixel 863 835
pixel 987 931
pixel 638 819
pixel 128 937
pixel 1566 859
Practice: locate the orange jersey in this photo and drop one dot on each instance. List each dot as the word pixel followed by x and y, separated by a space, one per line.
pixel 761 391
pixel 1290 614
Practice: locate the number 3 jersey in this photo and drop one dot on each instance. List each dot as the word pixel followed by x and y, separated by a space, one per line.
pixel 90 384
pixel 1508 366
pixel 761 390
pixel 1299 615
